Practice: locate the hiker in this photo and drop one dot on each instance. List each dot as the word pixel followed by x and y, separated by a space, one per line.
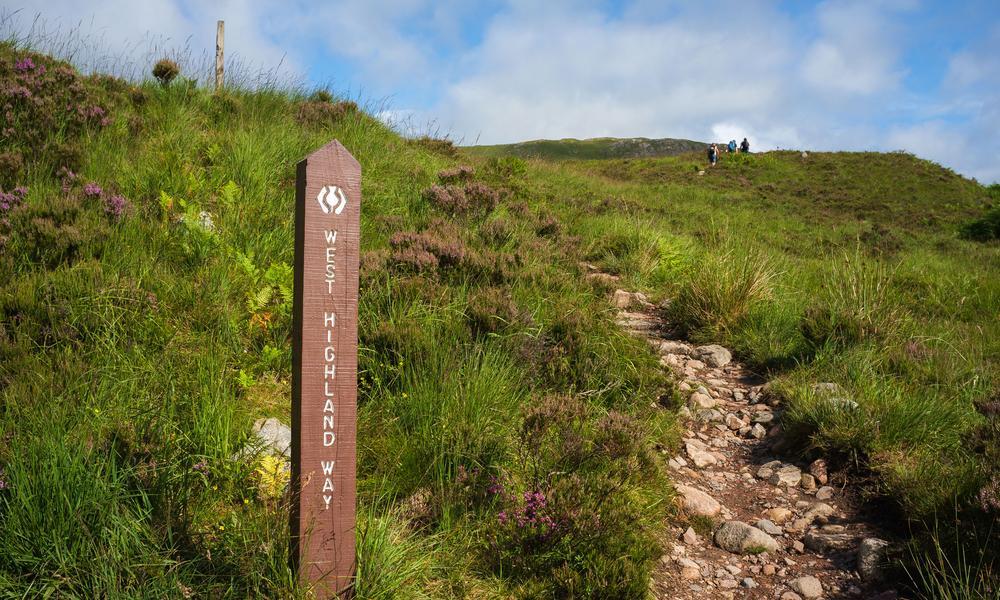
pixel 713 154
pixel 744 146
pixel 731 147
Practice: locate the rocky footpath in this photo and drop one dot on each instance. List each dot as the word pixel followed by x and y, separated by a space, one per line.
pixel 752 523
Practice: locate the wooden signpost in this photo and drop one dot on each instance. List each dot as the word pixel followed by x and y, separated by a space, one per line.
pixel 324 368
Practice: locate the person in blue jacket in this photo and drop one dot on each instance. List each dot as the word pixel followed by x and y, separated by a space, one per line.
pixel 732 146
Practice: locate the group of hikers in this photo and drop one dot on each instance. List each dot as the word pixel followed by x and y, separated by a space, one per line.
pixel 713 150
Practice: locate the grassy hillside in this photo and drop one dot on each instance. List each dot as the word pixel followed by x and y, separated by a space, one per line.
pixel 593 148
pixel 849 268
pixel 509 434
pixel 144 325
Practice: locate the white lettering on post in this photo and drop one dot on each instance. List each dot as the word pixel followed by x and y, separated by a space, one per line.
pixel 329 365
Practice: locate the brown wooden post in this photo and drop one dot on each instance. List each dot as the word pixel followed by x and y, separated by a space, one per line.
pixel 220 42
pixel 324 369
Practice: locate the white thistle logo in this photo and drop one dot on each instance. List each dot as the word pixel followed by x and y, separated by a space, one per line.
pixel 332 199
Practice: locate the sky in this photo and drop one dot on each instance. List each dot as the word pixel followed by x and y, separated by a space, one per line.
pixel 910 75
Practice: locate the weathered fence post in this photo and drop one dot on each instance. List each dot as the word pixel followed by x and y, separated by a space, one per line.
pixel 324 368
pixel 220 34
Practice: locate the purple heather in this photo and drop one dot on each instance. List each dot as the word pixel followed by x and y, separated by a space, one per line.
pixel 92 190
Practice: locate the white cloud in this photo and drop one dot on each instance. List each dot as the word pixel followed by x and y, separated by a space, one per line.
pixel 949 145
pixel 856 52
pixel 557 73
pixel 125 36
pixel 832 78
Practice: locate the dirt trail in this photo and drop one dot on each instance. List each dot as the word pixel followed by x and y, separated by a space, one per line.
pixel 762 525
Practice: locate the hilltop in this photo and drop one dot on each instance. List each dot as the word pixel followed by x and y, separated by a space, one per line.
pixel 513 440
pixel 593 148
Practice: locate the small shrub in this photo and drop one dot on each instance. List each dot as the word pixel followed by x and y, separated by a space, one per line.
pixel 318 114
pixel 459 174
pixel 722 290
pixel 54 232
pixel 505 168
pixel 986 442
pixel 880 240
pixel 11 164
pixel 321 96
pixel 491 310
pixel 442 146
pixel 985 228
pixel 548 225
pixel 47 106
pixel 497 232
pixel 857 304
pixel 572 512
pixel 165 70
pixel 449 199
pixel 474 198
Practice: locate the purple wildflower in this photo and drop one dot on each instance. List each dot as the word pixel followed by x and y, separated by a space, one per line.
pixel 502 517
pixel 11 200
pixel 92 190
pixel 115 206
pixel 3 480
pixel 200 466
pixel 24 65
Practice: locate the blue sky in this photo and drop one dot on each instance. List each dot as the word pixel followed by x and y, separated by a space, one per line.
pixel 883 75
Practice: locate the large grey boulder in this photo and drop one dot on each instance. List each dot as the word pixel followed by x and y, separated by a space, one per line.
pixel 274 436
pixel 738 537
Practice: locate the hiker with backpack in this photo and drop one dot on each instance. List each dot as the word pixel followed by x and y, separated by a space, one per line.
pixel 713 155
pixel 744 146
pixel 731 147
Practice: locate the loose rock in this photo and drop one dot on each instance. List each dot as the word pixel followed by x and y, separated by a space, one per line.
pixel 818 470
pixel 714 355
pixel 824 493
pixel 818 511
pixel 789 475
pixel 778 515
pixel 768 527
pixel 738 537
pixel 697 502
pixel 871 555
pixel 621 299
pixel 690 537
pixel 808 586
pixel 825 543
pixel 699 454
pixel 699 400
